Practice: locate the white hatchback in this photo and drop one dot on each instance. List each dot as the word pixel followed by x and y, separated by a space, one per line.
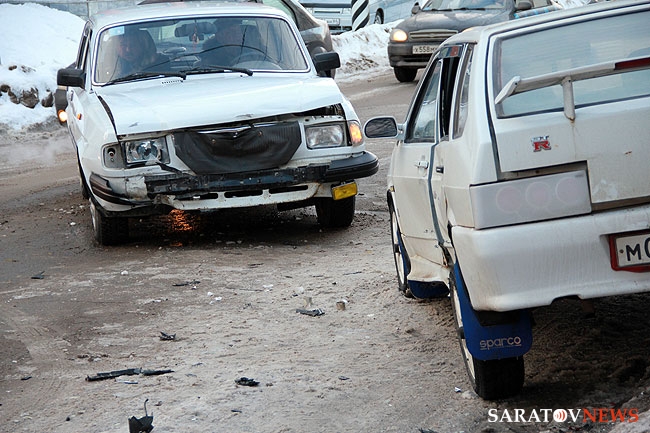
pixel 520 176
pixel 201 106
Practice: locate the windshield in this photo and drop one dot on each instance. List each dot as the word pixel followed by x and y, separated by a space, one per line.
pixel 197 45
pixel 443 5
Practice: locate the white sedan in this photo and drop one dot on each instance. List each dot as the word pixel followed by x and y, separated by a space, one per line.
pixel 200 106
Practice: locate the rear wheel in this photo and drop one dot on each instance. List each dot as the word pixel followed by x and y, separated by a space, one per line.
pixel 335 213
pixel 108 230
pixel 405 75
pixel 493 379
pixel 402 262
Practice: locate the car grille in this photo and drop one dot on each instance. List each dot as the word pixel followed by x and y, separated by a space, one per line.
pixel 431 35
pixel 238 148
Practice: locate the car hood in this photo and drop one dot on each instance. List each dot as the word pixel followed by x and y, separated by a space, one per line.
pixel 173 103
pixel 453 20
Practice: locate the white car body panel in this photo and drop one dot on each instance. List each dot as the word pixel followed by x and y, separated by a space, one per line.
pixel 207 100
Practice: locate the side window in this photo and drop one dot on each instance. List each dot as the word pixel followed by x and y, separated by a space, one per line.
pixel 423 124
pixel 447 86
pixel 460 114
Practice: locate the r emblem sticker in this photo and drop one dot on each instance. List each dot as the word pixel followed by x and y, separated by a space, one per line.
pixel 540 143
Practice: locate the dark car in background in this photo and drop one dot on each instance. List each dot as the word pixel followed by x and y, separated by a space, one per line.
pixel 413 40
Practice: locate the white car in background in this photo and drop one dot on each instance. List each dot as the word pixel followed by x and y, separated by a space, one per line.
pixel 520 176
pixel 186 131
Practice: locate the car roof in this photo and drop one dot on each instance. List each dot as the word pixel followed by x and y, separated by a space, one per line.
pixel 475 33
pixel 182 9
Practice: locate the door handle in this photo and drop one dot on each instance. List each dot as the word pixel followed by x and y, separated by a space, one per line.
pixel 440 169
pixel 422 164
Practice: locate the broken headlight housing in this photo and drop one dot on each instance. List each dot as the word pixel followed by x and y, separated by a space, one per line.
pixel 146 151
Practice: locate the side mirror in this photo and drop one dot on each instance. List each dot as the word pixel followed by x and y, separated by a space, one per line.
pixel 327 61
pixel 381 127
pixel 415 9
pixel 71 77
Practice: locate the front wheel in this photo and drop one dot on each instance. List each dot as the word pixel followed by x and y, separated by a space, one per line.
pixel 405 75
pixel 335 213
pixel 492 379
pixel 108 230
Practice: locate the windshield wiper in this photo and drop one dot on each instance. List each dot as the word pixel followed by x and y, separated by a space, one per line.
pixel 144 75
pixel 206 69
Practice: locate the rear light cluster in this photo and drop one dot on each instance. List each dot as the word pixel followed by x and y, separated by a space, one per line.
pixel 531 199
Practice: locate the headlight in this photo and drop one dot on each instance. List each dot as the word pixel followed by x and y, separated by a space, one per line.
pixel 398 35
pixel 531 199
pixel 147 151
pixel 325 135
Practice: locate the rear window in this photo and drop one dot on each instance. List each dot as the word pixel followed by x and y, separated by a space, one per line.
pixel 562 48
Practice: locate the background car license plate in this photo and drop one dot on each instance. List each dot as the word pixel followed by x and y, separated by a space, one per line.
pixel 333 21
pixel 630 251
pixel 423 49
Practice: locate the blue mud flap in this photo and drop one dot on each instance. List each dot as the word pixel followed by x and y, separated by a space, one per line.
pixel 425 290
pixel 487 342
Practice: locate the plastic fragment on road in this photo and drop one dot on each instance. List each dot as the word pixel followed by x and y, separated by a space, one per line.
pixel 167 337
pixel 311 312
pixel 141 425
pixel 245 381
pixel 126 372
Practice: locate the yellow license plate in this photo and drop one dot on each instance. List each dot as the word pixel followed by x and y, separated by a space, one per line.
pixel 344 191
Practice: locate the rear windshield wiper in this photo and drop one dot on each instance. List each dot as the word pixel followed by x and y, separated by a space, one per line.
pixel 144 75
pixel 206 69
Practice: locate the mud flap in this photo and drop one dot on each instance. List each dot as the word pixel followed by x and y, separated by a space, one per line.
pixel 425 290
pixel 494 341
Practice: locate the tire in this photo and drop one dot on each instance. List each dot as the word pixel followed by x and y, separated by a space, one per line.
pixel 379 18
pixel 400 256
pixel 335 213
pixel 493 379
pixel 108 230
pixel 405 75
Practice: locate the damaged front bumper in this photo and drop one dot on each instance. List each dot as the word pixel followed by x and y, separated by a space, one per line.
pixel 214 191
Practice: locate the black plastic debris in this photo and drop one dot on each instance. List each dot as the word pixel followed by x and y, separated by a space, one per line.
pixel 127 372
pixel 310 312
pixel 39 276
pixel 141 425
pixel 245 381
pixel 167 337
pixel 186 283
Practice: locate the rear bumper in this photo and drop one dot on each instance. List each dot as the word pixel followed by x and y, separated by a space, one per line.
pixel 531 265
